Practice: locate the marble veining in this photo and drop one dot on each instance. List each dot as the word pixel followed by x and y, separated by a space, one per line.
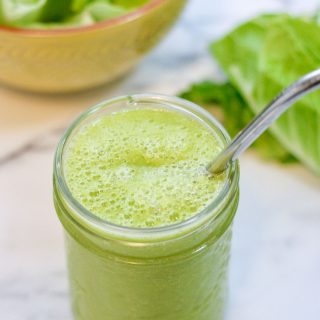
pixel 41 143
pixel 275 261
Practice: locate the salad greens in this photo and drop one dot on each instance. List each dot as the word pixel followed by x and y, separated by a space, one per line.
pixel 263 56
pixel 62 13
pixel 56 10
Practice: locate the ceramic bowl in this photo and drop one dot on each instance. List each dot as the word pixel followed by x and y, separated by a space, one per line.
pixel 64 60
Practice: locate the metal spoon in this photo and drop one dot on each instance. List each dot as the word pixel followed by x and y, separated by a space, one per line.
pixel 262 121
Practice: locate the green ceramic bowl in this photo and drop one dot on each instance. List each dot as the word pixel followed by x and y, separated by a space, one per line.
pixel 65 60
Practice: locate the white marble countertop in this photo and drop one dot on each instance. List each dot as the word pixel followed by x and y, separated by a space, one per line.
pixel 275 266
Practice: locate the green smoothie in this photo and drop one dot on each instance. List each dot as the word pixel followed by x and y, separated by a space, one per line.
pixel 147 228
pixel 143 168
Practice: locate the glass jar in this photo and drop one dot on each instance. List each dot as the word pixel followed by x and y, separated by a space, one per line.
pixel 176 272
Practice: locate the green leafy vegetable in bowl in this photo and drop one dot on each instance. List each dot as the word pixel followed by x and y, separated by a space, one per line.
pixel 260 58
pixel 62 13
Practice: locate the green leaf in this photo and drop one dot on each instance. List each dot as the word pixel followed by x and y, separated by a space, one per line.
pixel 56 10
pixel 79 5
pixel 267 54
pixel 129 3
pixel 62 13
pixel 20 11
pixel 97 11
pixel 225 102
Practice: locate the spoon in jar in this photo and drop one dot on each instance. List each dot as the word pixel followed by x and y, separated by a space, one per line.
pixel 264 120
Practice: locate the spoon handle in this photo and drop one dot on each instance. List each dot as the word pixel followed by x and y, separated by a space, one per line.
pixel 263 120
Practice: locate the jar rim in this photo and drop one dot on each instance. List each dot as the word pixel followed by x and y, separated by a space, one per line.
pixel 100 226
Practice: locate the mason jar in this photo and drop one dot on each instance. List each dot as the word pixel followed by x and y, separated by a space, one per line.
pixel 175 272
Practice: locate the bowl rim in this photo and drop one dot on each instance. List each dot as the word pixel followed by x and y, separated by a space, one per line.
pixel 137 13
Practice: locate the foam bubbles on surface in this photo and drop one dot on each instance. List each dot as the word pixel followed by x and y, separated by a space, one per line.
pixel 143 168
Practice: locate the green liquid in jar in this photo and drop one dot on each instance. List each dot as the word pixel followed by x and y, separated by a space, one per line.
pixel 143 168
